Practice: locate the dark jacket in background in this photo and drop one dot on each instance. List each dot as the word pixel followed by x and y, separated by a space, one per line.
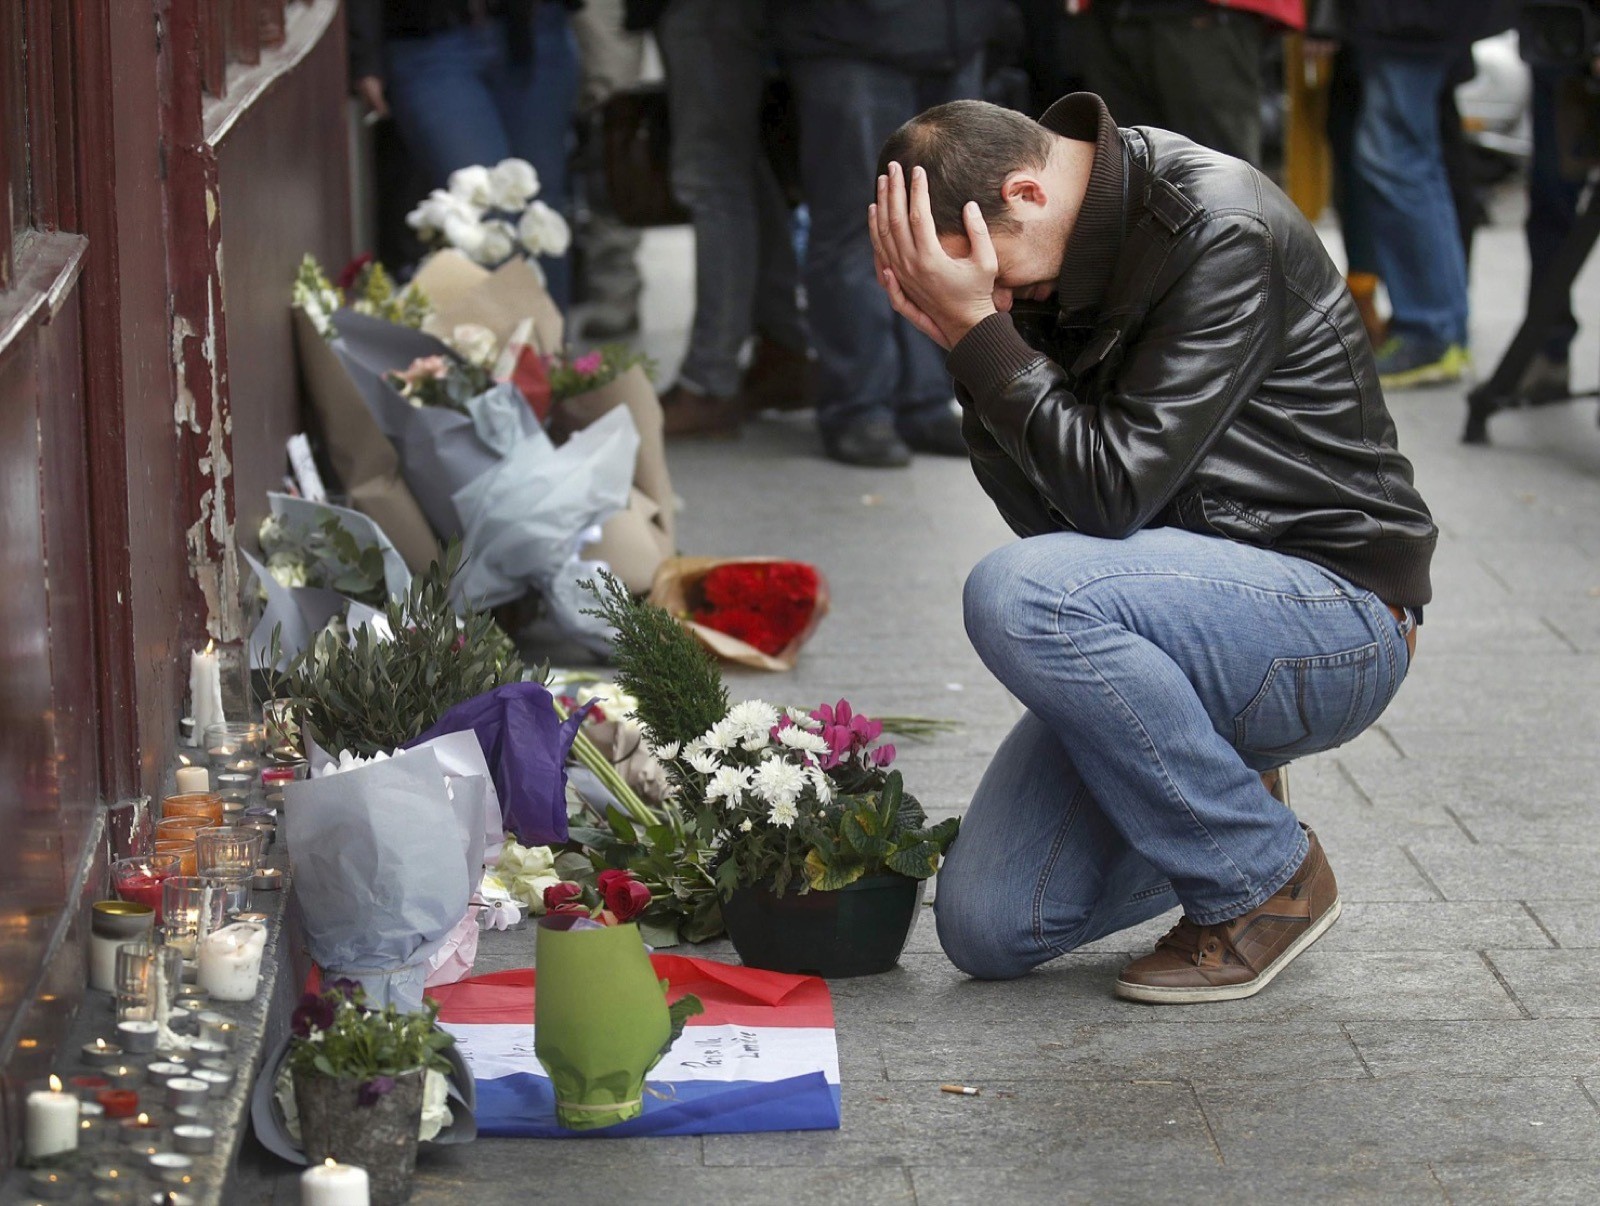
pixel 934 36
pixel 1423 26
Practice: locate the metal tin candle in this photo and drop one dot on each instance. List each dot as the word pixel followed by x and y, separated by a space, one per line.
pixel 101 1054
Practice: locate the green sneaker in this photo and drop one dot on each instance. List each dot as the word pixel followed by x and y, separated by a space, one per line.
pixel 1406 362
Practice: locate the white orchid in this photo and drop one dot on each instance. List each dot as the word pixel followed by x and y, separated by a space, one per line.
pixel 472 185
pixel 499 242
pixel 438 208
pixel 512 183
pixel 543 231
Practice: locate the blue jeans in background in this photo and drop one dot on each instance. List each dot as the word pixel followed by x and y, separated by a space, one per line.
pixel 871 363
pixel 1162 674
pixel 1405 191
pixel 459 100
pixel 717 55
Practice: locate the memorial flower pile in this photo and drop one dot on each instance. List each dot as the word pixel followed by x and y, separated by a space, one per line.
pixel 326 555
pixel 491 214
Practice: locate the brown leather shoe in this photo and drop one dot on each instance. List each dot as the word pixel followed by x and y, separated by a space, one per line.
pixel 1238 958
pixel 688 412
pixel 779 378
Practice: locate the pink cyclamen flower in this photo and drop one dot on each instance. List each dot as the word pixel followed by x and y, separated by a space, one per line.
pixel 588 365
pixel 882 756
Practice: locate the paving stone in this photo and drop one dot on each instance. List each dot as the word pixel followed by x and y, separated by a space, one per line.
pixel 1506 1048
pixel 1038 1123
pixel 1374 1122
pixel 1198 1182
pixel 1433 926
pixel 1502 1183
pixel 618 1179
pixel 1574 924
pixel 1509 871
pixel 1553 984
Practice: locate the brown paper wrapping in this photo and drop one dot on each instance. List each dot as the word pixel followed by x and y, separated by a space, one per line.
pixel 675 583
pixel 463 292
pixel 633 543
pixel 364 459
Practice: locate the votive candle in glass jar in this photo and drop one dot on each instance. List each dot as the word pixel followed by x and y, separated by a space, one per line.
pixel 180 849
pixel 140 879
pixel 206 804
pixel 192 908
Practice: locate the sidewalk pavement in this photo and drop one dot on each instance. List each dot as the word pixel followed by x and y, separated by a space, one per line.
pixel 1440 1044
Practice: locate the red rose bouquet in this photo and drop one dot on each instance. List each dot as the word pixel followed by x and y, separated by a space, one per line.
pixel 755 611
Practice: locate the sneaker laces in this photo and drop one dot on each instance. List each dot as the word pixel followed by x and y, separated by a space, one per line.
pixel 1195 941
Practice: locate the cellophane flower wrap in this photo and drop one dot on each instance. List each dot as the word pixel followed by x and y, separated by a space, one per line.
pixel 753 611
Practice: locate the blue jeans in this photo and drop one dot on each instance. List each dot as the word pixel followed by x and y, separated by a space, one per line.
pixel 1162 674
pixel 871 363
pixel 746 278
pixel 1405 190
pixel 1552 203
pixel 458 100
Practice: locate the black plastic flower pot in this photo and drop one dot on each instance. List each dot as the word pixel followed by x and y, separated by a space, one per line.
pixel 860 930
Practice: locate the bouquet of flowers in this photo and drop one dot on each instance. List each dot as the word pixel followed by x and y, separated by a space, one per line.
pixel 440 380
pixel 490 214
pixel 754 611
pixel 571 376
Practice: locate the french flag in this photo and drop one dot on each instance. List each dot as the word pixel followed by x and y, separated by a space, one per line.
pixel 762 1057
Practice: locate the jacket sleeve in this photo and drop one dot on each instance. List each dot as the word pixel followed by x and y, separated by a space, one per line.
pixel 1206 344
pixel 364 24
pixel 1006 485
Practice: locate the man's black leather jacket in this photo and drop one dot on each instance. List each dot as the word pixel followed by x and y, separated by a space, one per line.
pixel 1223 384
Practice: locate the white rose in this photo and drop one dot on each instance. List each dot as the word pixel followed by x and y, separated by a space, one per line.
pixel 475 342
pixel 499 241
pixel 471 184
pixel 512 184
pixel 288 569
pixel 435 1105
pixel 543 231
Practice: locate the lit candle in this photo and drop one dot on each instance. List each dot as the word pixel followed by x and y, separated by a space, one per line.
pixel 125 1076
pixel 88 1087
pixel 140 1132
pixel 101 1054
pixel 230 961
pixel 333 1184
pixel 215 1028
pixel 205 690
pixel 171 1168
pixel 192 778
pixel 136 1037
pixel 49 1186
pixel 52 1121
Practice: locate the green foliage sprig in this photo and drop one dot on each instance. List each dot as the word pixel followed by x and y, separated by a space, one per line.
pixel 573 375
pixel 677 684
pixel 323 555
pixel 336 1035
pixel 371 695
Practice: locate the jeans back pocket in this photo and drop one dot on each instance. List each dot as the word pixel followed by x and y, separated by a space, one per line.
pixel 1309 704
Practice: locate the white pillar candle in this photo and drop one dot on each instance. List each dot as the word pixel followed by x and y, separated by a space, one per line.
pixel 192 779
pixel 333 1184
pixel 53 1121
pixel 205 690
pixel 230 961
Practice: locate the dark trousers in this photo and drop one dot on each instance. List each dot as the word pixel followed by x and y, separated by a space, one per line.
pixel 1552 203
pixel 1190 68
pixel 871 363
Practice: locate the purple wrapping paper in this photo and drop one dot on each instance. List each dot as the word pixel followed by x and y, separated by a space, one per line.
pixel 526 745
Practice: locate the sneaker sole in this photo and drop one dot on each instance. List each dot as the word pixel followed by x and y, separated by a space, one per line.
pixel 1154 995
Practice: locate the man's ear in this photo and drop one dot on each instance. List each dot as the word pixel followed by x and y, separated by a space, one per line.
pixel 1023 189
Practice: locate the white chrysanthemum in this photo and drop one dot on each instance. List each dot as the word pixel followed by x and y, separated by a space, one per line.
pixel 512 184
pixel 802 739
pixel 543 231
pixel 664 753
pixel 704 761
pixel 722 736
pixel 778 781
pixel 802 718
pixel 471 184
pixel 752 721
pixel 746 825
pixel 729 783
pixel 784 814
pixel 820 783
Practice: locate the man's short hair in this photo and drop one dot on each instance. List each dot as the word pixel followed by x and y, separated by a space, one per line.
pixel 967 148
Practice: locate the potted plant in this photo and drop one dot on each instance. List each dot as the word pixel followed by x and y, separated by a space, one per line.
pixel 821 854
pixel 358 1083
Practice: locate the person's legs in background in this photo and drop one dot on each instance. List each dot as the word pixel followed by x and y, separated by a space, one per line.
pixel 1552 209
pixel 535 98
pixel 1415 232
pixel 1355 219
pixel 611 58
pixel 443 105
pixel 875 372
pixel 717 54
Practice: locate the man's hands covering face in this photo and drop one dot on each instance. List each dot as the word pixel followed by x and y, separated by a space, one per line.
pixel 943 297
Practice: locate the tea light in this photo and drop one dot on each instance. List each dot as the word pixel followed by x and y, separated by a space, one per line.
pixel 186 1090
pixel 113 1174
pixel 333 1184
pixel 252 918
pixel 193 779
pixel 140 1132
pixel 232 812
pixel 137 1038
pixel 207 1049
pixel 119 1103
pixel 52 1121
pixel 125 1076
pixel 234 785
pixel 193 992
pixel 215 1028
pixel 109 1195
pixel 193 1139
pixel 218 1066
pixel 49 1185
pixel 101 1054
pixel 172 1167
pixel 92 1130
pixel 88 1087
pixel 172 1197
pixel 216 1083
pixel 189 1113
pixel 267 879
pixel 163 1071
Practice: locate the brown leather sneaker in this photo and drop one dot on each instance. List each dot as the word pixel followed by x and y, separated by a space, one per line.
pixel 1238 958
pixel 688 412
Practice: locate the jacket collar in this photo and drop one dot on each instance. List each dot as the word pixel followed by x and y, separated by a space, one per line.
pixel 1096 239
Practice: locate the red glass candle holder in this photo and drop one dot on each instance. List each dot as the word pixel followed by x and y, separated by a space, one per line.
pixel 140 879
pixel 119 1103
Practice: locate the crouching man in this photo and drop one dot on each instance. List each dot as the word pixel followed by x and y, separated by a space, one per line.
pixel 1169 396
